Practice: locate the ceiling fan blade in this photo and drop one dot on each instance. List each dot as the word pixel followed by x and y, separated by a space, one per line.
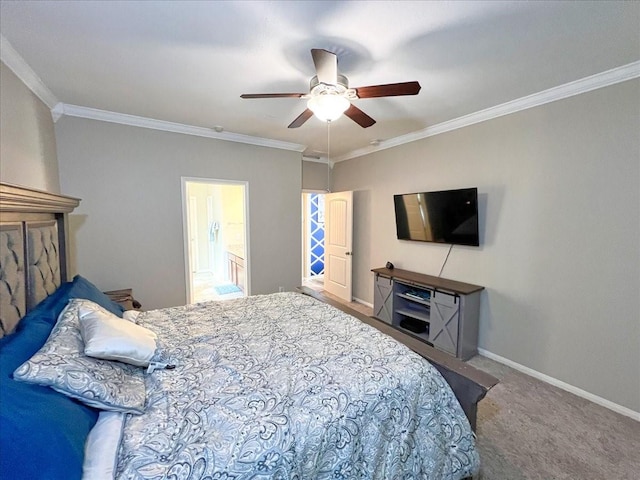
pixel 358 116
pixel 272 95
pixel 389 90
pixel 326 65
pixel 303 117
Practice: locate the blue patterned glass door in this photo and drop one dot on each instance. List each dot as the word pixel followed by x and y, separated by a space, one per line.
pixel 316 234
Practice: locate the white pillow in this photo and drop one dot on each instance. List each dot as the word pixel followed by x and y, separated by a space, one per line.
pixel 101 447
pixel 131 315
pixel 109 337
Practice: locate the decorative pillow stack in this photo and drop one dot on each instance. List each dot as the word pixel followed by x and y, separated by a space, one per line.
pixel 95 357
pixel 34 418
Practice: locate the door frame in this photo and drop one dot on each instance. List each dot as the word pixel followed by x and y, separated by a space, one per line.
pixel 305 236
pixel 185 229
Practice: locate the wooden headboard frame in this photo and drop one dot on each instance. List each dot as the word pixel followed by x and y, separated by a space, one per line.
pixel 33 249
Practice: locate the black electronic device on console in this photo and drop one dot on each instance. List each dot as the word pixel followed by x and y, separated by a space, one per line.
pixel 413 325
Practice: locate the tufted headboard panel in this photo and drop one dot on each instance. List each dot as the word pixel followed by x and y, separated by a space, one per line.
pixel 33 261
pixel 43 260
pixel 13 293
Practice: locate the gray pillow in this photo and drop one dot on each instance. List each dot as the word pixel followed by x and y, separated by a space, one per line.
pixel 62 365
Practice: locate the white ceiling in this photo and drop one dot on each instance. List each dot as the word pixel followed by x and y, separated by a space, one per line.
pixel 188 62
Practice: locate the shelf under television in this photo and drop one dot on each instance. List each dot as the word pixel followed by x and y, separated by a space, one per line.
pixel 408 312
pixel 415 299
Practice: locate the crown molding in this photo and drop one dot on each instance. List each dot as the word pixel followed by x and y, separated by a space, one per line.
pixel 57 111
pixel 144 122
pixel 322 159
pixel 584 85
pixel 24 72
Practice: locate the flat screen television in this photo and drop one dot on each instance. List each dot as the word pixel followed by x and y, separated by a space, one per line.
pixel 447 216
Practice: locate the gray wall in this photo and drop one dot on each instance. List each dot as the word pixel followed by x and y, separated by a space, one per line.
pixel 128 230
pixel 314 176
pixel 560 234
pixel 27 142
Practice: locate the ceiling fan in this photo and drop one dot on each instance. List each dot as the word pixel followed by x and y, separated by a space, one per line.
pixel 330 96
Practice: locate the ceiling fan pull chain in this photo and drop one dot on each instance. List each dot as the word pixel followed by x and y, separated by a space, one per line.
pixel 328 156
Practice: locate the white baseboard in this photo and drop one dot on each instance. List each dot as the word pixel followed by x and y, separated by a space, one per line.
pixel 362 302
pixel 564 386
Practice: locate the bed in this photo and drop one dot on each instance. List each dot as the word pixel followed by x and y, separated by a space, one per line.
pixel 271 386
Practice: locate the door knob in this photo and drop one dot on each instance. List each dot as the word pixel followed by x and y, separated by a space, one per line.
pixel 348 253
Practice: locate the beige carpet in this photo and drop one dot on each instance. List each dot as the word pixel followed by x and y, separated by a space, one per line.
pixel 528 429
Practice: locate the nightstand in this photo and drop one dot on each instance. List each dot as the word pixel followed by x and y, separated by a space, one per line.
pixel 125 298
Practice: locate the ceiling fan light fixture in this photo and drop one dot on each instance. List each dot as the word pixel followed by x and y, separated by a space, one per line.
pixel 328 107
pixel 330 96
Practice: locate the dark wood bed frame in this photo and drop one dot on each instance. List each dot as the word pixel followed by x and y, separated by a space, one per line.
pixel 469 384
pixel 33 262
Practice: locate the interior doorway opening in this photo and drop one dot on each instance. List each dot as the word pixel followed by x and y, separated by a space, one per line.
pixel 313 234
pixel 216 239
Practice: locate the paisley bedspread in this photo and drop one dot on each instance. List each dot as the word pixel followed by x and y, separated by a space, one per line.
pixel 283 386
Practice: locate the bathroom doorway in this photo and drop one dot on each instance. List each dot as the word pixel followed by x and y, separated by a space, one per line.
pixel 313 240
pixel 215 239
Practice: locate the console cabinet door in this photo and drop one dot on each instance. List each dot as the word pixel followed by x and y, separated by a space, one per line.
pixel 383 299
pixel 445 316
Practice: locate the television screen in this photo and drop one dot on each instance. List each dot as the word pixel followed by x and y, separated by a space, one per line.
pixel 448 216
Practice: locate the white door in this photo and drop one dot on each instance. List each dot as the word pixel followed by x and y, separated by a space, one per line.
pixel 338 210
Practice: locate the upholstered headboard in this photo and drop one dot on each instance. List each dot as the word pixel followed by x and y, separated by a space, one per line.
pixel 33 239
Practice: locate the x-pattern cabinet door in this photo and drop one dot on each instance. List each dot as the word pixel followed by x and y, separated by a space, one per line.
pixel 445 316
pixel 383 299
